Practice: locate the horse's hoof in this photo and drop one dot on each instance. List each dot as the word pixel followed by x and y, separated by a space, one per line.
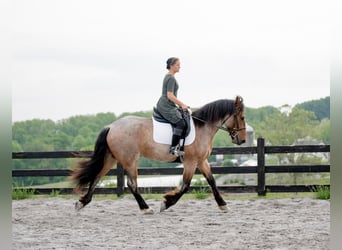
pixel 163 207
pixel 147 211
pixel 224 208
pixel 78 205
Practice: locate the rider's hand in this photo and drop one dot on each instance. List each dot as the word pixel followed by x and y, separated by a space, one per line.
pixel 185 107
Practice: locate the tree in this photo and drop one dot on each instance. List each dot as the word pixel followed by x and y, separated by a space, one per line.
pixel 323 131
pixel 78 142
pixel 257 115
pixel 320 107
pixel 283 128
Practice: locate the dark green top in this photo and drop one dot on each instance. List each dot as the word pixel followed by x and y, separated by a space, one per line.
pixel 165 106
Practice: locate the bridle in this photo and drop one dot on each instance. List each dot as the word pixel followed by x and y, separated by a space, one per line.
pixel 233 131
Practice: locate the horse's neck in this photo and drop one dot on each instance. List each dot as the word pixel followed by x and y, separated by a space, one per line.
pixel 206 133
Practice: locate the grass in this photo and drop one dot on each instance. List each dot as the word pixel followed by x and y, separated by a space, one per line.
pixel 22 193
pixel 55 193
pixel 19 192
pixel 201 194
pixel 322 193
pixel 199 181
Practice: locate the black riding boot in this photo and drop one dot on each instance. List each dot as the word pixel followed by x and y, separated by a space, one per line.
pixel 178 130
pixel 174 149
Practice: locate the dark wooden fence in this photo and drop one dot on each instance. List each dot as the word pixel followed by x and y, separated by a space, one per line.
pixel 261 169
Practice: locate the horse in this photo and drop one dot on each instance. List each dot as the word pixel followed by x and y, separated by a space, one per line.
pixel 128 138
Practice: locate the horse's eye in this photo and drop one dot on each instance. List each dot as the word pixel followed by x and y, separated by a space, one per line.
pixel 242 118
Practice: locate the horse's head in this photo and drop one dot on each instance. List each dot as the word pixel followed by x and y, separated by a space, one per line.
pixel 236 124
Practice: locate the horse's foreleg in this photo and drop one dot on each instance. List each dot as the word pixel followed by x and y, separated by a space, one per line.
pixel 206 171
pixel 133 186
pixel 172 197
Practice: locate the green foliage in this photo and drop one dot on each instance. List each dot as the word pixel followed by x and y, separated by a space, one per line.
pixel 202 193
pixel 222 139
pixel 323 131
pixel 282 128
pixel 20 190
pixel 16 146
pixel 198 182
pixel 22 193
pixel 139 113
pixel 54 193
pixel 322 192
pixel 256 116
pixel 75 133
pixel 320 107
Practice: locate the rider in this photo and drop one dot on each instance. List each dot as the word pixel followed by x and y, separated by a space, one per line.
pixel 168 104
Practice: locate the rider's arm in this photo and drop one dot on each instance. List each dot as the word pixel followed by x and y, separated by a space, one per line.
pixel 174 99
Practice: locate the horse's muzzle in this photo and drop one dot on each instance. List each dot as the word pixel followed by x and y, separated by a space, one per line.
pixel 236 140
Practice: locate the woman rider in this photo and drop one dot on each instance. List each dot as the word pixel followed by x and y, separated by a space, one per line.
pixel 168 104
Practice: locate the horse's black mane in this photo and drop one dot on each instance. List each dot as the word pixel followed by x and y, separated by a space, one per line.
pixel 214 111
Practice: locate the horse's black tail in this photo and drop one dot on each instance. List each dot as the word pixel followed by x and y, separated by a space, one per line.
pixel 87 171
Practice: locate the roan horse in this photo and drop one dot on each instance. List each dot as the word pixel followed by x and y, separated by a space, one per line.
pixel 128 138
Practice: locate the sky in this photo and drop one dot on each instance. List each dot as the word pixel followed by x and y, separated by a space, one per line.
pixel 85 57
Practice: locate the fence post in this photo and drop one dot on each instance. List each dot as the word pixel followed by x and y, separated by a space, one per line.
pixel 120 175
pixel 261 188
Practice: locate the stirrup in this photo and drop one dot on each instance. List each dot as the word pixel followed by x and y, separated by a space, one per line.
pixel 176 151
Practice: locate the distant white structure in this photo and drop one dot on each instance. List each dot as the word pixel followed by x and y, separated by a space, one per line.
pixel 250 162
pixel 287 109
pixel 250 136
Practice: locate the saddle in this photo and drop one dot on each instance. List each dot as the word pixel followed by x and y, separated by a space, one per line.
pixel 186 116
pixel 163 131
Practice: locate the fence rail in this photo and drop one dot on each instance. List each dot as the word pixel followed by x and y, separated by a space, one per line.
pixel 261 169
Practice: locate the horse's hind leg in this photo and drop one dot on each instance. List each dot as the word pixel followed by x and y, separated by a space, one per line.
pixel 132 174
pixel 85 199
pixel 206 171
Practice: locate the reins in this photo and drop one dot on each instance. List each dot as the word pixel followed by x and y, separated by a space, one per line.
pixel 231 132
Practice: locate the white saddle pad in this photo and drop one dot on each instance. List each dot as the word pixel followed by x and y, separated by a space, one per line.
pixel 162 133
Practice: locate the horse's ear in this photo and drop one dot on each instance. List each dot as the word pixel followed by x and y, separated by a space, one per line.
pixel 238 101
